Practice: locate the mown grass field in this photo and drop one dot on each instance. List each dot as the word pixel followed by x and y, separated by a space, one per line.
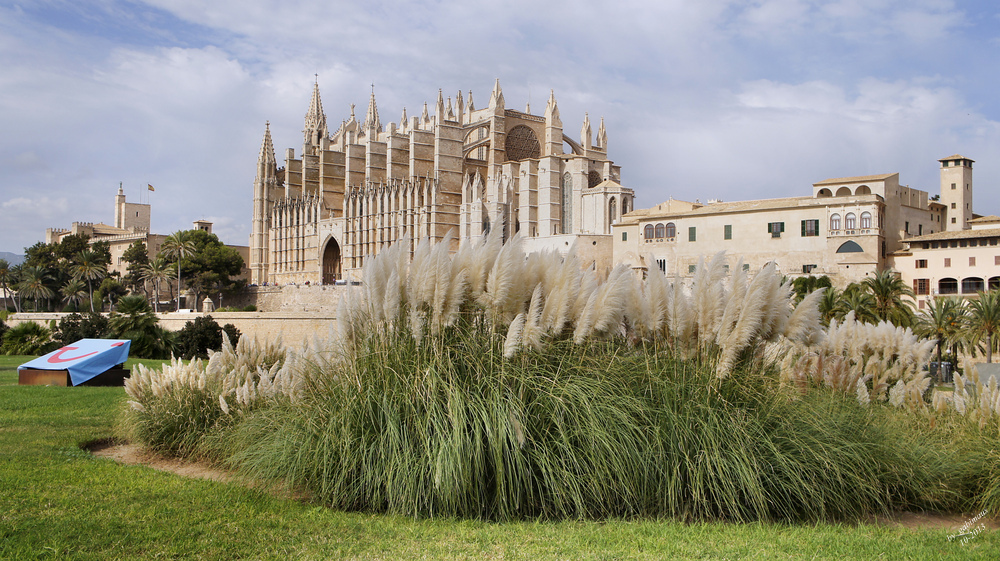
pixel 59 502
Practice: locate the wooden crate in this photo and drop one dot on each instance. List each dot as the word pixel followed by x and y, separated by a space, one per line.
pixel 35 377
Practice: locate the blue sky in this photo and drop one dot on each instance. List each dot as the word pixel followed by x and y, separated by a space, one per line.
pixel 717 99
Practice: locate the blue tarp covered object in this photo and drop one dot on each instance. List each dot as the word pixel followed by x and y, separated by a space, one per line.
pixel 85 359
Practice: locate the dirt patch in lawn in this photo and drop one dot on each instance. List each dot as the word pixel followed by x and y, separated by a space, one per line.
pixel 134 455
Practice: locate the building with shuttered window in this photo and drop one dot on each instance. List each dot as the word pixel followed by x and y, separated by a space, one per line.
pixel 848 228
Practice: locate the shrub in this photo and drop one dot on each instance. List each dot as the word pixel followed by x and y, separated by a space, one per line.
pixel 203 334
pixel 75 327
pixel 3 329
pixel 28 338
pixel 134 319
pixel 232 332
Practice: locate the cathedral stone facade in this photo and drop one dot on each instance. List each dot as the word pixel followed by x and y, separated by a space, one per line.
pixel 460 172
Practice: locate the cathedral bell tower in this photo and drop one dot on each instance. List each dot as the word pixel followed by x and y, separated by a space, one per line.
pixel 263 184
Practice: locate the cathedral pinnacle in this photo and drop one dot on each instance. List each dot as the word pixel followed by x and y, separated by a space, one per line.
pixel 372 123
pixel 315 118
pixel 585 131
pixel 266 163
pixel 496 98
pixel 602 136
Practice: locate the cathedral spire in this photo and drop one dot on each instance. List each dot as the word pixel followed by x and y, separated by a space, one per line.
pixel 403 121
pixel 602 137
pixel 585 132
pixel 425 118
pixel 439 108
pixel 459 106
pixel 472 106
pixel 496 98
pixel 315 118
pixel 552 109
pixel 372 124
pixel 266 157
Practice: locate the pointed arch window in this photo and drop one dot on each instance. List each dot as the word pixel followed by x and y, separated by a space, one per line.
pixel 566 212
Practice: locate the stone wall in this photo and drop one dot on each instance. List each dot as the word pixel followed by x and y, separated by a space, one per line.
pixel 294 328
pixel 289 298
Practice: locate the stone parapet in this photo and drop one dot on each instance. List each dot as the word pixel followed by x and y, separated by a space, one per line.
pixel 294 328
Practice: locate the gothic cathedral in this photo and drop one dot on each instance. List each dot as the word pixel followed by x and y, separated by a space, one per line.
pixel 459 172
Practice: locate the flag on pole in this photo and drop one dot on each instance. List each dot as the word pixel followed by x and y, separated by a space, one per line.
pixel 150 187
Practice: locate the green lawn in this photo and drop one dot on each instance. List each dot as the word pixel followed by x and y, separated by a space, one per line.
pixel 59 502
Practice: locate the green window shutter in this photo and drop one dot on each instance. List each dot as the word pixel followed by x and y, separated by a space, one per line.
pixel 782 226
pixel 692 234
pixel 691 268
pixel 728 234
pixel 769 224
pixel 803 228
pixel 624 236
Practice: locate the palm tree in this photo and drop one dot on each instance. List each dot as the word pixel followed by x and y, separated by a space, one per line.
pixel 983 320
pixel 156 271
pixel 829 304
pixel 33 284
pixel 4 277
pixel 89 266
pixel 858 300
pixel 179 245
pixel 74 292
pixel 942 320
pixel 888 291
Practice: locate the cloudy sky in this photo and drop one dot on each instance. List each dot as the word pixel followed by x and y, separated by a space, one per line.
pixel 705 99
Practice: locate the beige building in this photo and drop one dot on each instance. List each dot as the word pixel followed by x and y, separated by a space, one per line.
pixel 461 171
pixel 846 229
pixel 957 262
pixel 131 225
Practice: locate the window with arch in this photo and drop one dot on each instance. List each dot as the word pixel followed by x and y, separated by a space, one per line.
pixel 661 230
pixel 835 221
pixel 612 211
pixel 648 231
pixel 671 230
pixel 593 179
pixel 866 220
pixel 566 213
pixel 850 221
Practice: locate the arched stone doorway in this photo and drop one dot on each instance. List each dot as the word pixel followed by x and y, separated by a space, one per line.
pixel 331 262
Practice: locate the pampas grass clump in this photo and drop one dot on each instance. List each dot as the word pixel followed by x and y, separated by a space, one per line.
pixel 491 384
pixel 173 409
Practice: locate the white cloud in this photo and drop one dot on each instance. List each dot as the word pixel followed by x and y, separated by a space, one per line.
pixel 733 98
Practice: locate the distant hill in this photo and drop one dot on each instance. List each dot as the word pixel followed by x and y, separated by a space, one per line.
pixel 12 258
